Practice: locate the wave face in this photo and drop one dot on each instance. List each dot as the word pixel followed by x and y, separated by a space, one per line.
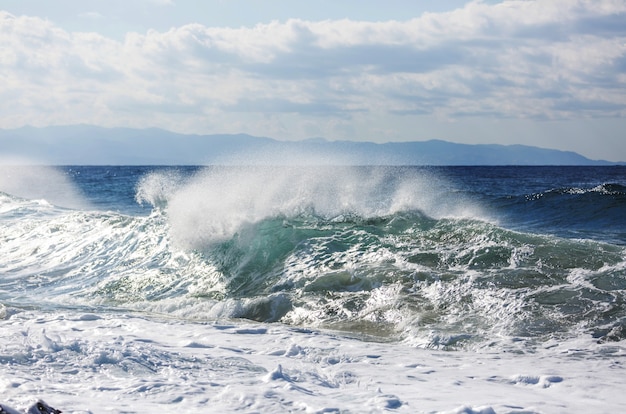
pixel 444 258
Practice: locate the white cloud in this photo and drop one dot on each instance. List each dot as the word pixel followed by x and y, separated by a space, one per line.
pixel 562 59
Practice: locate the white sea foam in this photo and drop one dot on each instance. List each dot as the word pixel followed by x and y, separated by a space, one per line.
pixel 112 362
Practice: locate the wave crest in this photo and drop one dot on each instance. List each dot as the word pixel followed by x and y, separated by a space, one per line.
pixel 215 203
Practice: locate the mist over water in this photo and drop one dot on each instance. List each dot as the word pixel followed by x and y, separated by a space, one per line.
pixel 36 182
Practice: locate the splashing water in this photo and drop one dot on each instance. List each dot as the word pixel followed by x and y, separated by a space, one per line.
pixel 215 203
pixel 391 253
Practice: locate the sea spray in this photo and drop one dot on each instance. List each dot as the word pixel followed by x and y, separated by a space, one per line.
pixel 36 182
pixel 158 187
pixel 213 204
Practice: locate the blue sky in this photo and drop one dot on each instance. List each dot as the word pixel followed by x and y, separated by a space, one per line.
pixel 545 73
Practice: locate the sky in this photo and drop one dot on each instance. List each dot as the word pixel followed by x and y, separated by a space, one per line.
pixel 548 73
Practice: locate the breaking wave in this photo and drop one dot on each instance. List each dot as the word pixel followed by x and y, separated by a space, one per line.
pixel 378 253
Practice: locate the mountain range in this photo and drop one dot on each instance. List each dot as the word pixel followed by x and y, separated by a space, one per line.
pixel 90 145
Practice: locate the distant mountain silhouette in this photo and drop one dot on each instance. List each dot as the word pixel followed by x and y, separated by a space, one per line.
pixel 89 145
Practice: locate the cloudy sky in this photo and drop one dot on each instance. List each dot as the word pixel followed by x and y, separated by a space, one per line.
pixel 550 73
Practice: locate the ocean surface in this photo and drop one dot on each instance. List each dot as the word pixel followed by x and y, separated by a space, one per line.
pixel 313 289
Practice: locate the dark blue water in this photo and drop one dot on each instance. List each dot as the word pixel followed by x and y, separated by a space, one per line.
pixel 445 257
pixel 566 201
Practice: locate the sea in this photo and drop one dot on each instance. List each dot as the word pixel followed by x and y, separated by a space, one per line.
pixel 317 289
